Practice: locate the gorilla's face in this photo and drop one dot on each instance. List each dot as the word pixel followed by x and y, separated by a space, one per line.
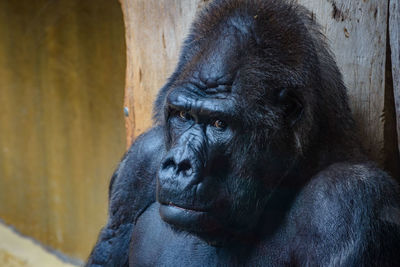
pixel 228 122
pixel 209 178
pixel 225 157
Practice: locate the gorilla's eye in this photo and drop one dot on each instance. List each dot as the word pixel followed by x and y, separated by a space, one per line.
pixel 219 124
pixel 185 115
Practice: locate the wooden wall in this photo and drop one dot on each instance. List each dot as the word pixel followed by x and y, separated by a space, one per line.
pixel 62 71
pixel 154 31
pixel 358 35
pixel 394 38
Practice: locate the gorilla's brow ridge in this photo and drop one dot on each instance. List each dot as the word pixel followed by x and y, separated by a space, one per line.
pixel 204 106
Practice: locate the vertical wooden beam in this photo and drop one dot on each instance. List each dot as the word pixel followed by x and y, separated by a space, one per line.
pixel 394 34
pixel 154 32
pixel 356 31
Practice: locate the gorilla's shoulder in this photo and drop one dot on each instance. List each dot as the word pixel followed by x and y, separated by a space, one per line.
pixel 144 152
pixel 358 178
pixel 139 166
pixel 131 191
pixel 147 145
pixel 350 194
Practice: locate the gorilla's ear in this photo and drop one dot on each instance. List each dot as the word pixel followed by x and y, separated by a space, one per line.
pixel 291 105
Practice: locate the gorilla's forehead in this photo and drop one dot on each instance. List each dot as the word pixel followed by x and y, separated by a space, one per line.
pixel 216 58
pixel 233 48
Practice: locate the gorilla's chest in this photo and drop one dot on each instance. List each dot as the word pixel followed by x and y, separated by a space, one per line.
pixel 155 243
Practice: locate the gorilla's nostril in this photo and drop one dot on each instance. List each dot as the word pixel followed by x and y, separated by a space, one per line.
pixel 169 163
pixel 185 167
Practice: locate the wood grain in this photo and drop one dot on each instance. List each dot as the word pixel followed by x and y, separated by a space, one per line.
pixel 356 31
pixel 62 130
pixel 394 33
pixel 155 30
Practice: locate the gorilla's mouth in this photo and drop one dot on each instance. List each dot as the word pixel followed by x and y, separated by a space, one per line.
pixel 188 219
pixel 186 208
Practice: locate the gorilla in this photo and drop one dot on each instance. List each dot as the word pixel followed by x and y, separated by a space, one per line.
pixel 253 159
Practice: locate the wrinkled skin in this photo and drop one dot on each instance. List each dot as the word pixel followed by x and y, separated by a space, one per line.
pixel 253 159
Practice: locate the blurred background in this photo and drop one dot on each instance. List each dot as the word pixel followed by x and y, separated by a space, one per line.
pixel 68 111
pixel 62 133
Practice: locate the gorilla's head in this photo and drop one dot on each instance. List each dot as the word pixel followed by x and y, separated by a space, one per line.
pixel 242 112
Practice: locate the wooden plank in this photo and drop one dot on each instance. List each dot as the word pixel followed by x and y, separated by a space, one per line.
pixel 19 251
pixel 394 33
pixel 356 31
pixel 154 32
pixel 62 129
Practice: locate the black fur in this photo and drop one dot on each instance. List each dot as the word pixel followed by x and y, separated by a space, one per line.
pixel 254 158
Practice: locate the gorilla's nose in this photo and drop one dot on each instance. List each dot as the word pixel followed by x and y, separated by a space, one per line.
pixel 179 171
pixel 176 178
pixel 175 167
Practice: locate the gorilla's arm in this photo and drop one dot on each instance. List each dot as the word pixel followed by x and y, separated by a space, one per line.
pixel 132 190
pixel 352 214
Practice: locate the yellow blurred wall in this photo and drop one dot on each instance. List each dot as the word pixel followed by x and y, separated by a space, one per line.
pixel 62 72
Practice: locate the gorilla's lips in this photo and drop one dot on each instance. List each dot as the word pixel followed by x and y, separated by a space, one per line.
pixel 188 219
